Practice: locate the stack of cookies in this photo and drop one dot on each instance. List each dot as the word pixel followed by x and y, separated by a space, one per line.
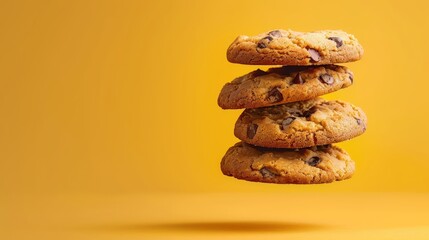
pixel 286 129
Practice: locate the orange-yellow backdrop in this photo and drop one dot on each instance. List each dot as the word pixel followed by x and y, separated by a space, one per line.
pixel 120 96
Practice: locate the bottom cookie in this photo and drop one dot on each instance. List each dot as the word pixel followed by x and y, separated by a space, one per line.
pixel 321 164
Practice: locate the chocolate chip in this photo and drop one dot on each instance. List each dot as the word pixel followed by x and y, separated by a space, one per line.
pixel 263 43
pixel 298 79
pixel 337 40
pixel 326 78
pixel 314 55
pixel 286 122
pixel 267 173
pixel 351 77
pixel 309 112
pixel 275 33
pixel 313 161
pixel 359 122
pixel 251 130
pixel 274 95
pixel 268 38
pixel 258 73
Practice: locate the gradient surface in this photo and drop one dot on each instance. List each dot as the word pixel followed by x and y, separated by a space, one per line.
pixel 119 97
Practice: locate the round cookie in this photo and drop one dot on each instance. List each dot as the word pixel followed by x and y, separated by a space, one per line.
pixel 283 85
pixel 300 124
pixel 322 164
pixel 287 47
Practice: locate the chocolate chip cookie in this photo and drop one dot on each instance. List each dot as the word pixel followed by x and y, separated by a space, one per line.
pixel 322 164
pixel 282 85
pixel 287 47
pixel 300 124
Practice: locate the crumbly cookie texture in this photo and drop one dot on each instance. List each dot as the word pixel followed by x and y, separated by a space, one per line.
pixel 301 124
pixel 287 47
pixel 322 164
pixel 282 85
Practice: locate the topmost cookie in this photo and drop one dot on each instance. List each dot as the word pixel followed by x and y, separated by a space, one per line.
pixel 287 47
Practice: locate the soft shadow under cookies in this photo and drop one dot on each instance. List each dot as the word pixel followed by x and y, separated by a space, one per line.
pixel 219 226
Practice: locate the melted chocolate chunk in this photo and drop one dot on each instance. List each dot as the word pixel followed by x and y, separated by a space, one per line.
pixel 266 173
pixel 314 55
pixel 251 130
pixel 351 77
pixel 359 122
pixel 286 122
pixel 309 112
pixel 275 33
pixel 326 78
pixel 298 79
pixel 274 95
pixel 337 40
pixel 263 43
pixel 313 161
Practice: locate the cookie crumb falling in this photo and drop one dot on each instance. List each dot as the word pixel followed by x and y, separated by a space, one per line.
pixel 286 129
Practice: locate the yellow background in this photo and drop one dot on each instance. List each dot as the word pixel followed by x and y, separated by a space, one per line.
pixel 119 97
pixel 111 96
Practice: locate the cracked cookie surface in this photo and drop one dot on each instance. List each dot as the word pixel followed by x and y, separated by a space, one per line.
pixel 322 164
pixel 300 124
pixel 282 85
pixel 287 47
